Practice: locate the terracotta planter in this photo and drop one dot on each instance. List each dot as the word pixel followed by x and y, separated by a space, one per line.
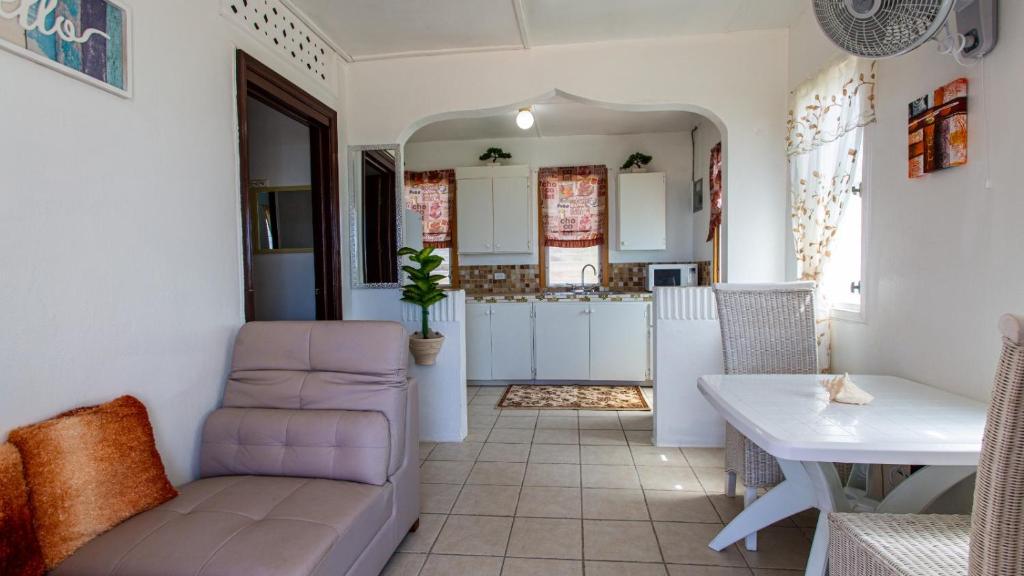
pixel 425 350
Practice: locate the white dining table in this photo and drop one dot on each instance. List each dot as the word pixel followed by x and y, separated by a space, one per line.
pixel 790 417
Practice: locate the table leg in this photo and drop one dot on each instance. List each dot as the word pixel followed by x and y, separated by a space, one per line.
pixel 830 497
pixel 795 494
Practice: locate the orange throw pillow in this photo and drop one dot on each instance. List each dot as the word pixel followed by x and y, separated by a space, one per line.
pixel 19 549
pixel 88 470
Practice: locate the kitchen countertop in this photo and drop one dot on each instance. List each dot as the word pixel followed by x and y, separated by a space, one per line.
pixel 540 297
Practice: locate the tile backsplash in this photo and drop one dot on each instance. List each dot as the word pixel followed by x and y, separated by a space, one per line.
pixel 525 278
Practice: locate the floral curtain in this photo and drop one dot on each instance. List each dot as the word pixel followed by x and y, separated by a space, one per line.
pixel 715 190
pixel 824 143
pixel 574 201
pixel 430 194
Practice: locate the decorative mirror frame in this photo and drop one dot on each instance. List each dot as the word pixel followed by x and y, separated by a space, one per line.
pixel 355 156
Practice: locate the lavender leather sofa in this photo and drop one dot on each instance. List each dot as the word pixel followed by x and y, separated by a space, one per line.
pixel 311 466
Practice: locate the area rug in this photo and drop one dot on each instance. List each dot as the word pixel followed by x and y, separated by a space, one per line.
pixel 573 397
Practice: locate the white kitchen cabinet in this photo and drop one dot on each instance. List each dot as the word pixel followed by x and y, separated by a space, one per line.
pixel 512 215
pixel 643 211
pixel 618 340
pixel 511 341
pixel 562 340
pixel 475 209
pixel 493 205
pixel 478 341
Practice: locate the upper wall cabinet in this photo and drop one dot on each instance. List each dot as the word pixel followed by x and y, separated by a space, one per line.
pixel 494 214
pixel 643 211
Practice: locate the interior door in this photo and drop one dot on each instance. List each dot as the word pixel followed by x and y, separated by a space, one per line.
pixel 618 341
pixel 562 341
pixel 512 207
pixel 478 341
pixel 512 341
pixel 475 205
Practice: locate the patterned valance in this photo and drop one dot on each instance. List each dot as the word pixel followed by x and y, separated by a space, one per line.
pixel 430 194
pixel 574 201
pixel 825 108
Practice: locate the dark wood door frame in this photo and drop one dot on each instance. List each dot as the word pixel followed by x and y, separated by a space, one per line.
pixel 258 81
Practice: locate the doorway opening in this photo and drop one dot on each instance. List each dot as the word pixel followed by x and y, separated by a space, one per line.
pixel 288 151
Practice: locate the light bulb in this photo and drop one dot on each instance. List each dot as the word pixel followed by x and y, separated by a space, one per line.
pixel 524 119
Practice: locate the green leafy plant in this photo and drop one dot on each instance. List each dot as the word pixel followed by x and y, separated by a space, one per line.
pixel 495 154
pixel 424 287
pixel 638 159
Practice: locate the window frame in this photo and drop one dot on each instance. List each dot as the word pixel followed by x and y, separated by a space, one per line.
pixel 858 312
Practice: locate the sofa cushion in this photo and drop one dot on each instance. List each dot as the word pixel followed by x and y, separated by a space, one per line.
pixel 88 470
pixel 330 444
pixel 19 549
pixel 243 525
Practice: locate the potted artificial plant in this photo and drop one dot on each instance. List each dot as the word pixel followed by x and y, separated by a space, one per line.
pixel 424 291
pixel 637 162
pixel 494 156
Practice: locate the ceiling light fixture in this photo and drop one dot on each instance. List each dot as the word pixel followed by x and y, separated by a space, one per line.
pixel 524 119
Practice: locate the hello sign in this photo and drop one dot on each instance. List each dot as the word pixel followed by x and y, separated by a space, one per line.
pixel 85 39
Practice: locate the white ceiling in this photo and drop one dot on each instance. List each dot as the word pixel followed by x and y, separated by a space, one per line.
pixel 558 118
pixel 371 29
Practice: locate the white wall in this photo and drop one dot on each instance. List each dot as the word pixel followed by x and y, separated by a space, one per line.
pixel 670 152
pixel 279 153
pixel 121 222
pixel 704 140
pixel 945 250
pixel 737 79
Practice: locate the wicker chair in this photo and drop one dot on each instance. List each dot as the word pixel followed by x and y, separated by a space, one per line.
pixel 766 329
pixel 988 543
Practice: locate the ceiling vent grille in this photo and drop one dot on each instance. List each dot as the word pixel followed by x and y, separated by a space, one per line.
pixel 280 30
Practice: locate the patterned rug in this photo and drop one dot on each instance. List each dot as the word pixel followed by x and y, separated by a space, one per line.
pixel 573 397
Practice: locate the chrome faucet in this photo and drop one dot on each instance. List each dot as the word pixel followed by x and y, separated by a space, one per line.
pixel 583 275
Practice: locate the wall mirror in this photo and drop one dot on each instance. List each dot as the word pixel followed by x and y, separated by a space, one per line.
pixel 375 215
pixel 283 218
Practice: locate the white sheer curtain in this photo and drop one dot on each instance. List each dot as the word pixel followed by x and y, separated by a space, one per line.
pixel 826 135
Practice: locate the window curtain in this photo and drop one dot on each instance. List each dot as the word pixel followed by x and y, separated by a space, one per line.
pixel 574 201
pixel 824 142
pixel 430 195
pixel 715 190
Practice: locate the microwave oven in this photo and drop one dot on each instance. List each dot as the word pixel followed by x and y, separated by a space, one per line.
pixel 671 275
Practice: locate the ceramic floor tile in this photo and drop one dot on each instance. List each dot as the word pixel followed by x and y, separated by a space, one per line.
pixel 487 500
pixel 478 434
pixel 639 437
pixel 607 421
pixel 538 567
pixel 596 568
pixel 614 504
pixel 602 437
pixel 477 420
pixel 557 423
pixel 549 502
pixel 616 455
pixel 705 457
pixel 620 540
pixel 559 412
pixel 561 475
pixel 423 538
pixel 713 480
pixel 679 506
pixel 511 435
pixel 770 572
pixel 456 451
pixel 690 570
pixel 728 507
pixel 402 564
pixel 497 473
pixel 443 565
pixel 474 536
pixel 636 420
pixel 657 456
pixel 504 452
pixel 554 454
pixel 779 548
pixel 438 498
pixel 668 478
pixel 442 472
pixel 425 448
pixel 546 538
pixel 504 421
pixel 687 543
pixel 556 436
pixel 520 412
pixel 597 476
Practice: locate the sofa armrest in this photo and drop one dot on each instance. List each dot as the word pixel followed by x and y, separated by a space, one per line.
pixel 332 444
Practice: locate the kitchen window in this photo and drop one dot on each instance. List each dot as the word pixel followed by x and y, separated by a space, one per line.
pixel 566 264
pixel 574 223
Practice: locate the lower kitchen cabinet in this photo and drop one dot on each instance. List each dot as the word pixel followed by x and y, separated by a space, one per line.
pixel 478 341
pixel 618 341
pixel 562 340
pixel 499 341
